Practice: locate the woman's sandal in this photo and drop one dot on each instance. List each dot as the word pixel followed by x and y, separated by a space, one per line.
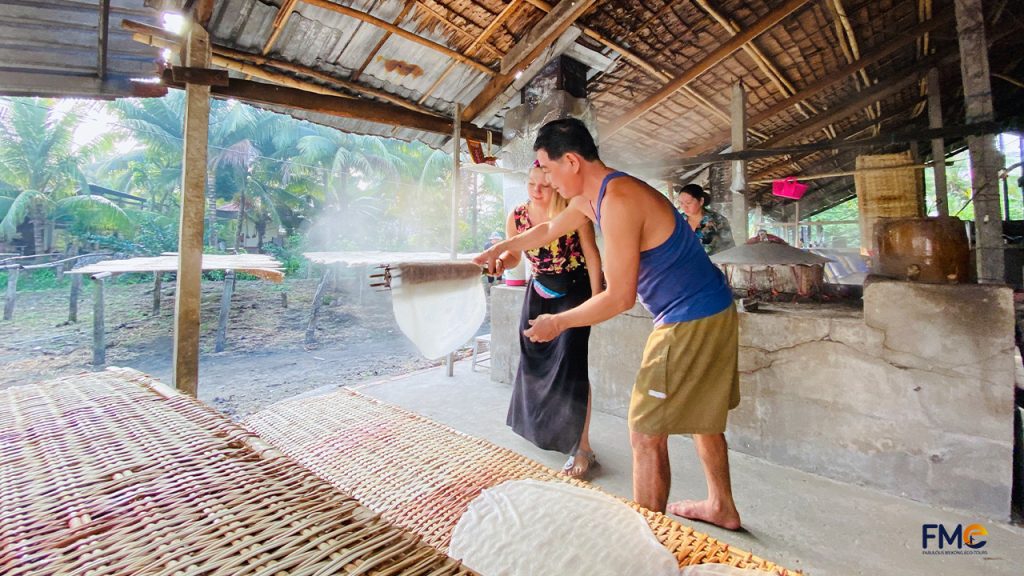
pixel 580 464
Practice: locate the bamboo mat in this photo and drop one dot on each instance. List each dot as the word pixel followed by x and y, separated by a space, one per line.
pixel 114 473
pixel 422 475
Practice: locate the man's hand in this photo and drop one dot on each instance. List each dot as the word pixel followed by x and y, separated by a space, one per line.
pixel 543 328
pixel 489 259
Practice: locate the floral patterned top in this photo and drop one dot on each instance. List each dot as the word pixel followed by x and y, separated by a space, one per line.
pixel 562 255
pixel 714 232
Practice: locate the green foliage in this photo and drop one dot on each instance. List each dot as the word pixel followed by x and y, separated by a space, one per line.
pixel 320 188
pixel 153 235
pixel 289 255
pixel 837 235
pixel 34 280
pixel 40 164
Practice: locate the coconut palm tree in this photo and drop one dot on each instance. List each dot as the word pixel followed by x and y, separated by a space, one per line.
pixel 353 166
pixel 40 172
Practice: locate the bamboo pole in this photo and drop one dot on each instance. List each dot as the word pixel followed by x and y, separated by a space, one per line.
pixel 803 177
pixel 225 310
pixel 721 53
pixel 363 16
pixel 253 65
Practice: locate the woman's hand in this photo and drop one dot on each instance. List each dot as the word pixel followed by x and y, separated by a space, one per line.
pixel 491 260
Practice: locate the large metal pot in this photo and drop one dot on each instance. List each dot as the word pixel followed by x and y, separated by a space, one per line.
pixel 770 268
pixel 931 250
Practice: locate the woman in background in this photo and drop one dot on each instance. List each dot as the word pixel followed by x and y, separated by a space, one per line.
pixel 711 228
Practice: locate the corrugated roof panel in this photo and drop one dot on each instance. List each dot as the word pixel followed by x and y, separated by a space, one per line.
pixel 52 48
pixel 338 45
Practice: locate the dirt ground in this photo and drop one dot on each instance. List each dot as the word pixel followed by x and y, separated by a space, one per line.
pixel 265 360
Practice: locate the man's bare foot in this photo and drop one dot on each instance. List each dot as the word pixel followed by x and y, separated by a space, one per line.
pixel 702 510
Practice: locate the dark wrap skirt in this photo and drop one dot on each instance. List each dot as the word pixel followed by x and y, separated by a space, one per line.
pixel 549 398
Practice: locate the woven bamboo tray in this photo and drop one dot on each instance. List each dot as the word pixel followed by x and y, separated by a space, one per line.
pixel 113 473
pixel 422 475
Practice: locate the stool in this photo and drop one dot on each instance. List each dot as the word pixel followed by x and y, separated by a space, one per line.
pixel 481 339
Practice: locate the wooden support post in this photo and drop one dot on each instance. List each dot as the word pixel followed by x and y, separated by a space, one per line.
pixel 76 288
pixel 456 186
pixel 938 144
pixel 225 309
pixel 158 281
pixel 318 300
pixel 985 160
pixel 185 372
pixel 12 292
pixel 99 344
pixel 738 183
pixel 796 225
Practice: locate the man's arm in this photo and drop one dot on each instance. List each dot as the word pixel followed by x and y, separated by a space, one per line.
pixel 621 224
pixel 541 235
pixel 588 242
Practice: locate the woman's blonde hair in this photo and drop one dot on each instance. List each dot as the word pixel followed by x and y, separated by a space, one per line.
pixel 557 203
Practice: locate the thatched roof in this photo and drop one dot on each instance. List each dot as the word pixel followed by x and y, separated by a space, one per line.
pixel 661 72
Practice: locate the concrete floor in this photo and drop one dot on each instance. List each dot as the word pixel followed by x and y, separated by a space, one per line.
pixel 796 519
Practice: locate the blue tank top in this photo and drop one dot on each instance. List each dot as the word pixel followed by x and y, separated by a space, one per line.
pixel 677 281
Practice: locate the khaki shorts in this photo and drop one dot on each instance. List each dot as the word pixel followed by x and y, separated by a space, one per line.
pixel 689 378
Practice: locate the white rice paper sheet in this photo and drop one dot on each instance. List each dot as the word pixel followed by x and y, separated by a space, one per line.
pixel 529 527
pixel 440 316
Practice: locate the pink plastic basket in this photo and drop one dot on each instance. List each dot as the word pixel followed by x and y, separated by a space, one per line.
pixel 788 188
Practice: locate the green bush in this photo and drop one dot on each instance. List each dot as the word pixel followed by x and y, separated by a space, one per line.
pixel 289 255
pixel 33 280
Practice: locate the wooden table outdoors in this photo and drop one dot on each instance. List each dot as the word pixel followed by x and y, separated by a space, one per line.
pixel 259 265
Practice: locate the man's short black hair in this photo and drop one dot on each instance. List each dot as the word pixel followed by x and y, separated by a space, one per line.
pixel 566 135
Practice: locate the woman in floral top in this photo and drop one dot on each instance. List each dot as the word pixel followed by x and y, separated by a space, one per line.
pixel 551 397
pixel 711 228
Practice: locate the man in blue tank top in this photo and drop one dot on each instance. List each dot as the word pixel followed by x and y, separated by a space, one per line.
pixel 688 380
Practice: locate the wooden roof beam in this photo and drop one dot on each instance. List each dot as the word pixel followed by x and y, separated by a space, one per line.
pixel 721 53
pixel 250 64
pixel 352 13
pixel 283 14
pixel 859 101
pixel 357 109
pixel 201 11
pixel 543 35
pixel 626 54
pixel 762 61
pixel 380 43
pixel 104 34
pixel 462 31
pixel 847 136
pixel 913 134
pixel 498 21
pixel 833 79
